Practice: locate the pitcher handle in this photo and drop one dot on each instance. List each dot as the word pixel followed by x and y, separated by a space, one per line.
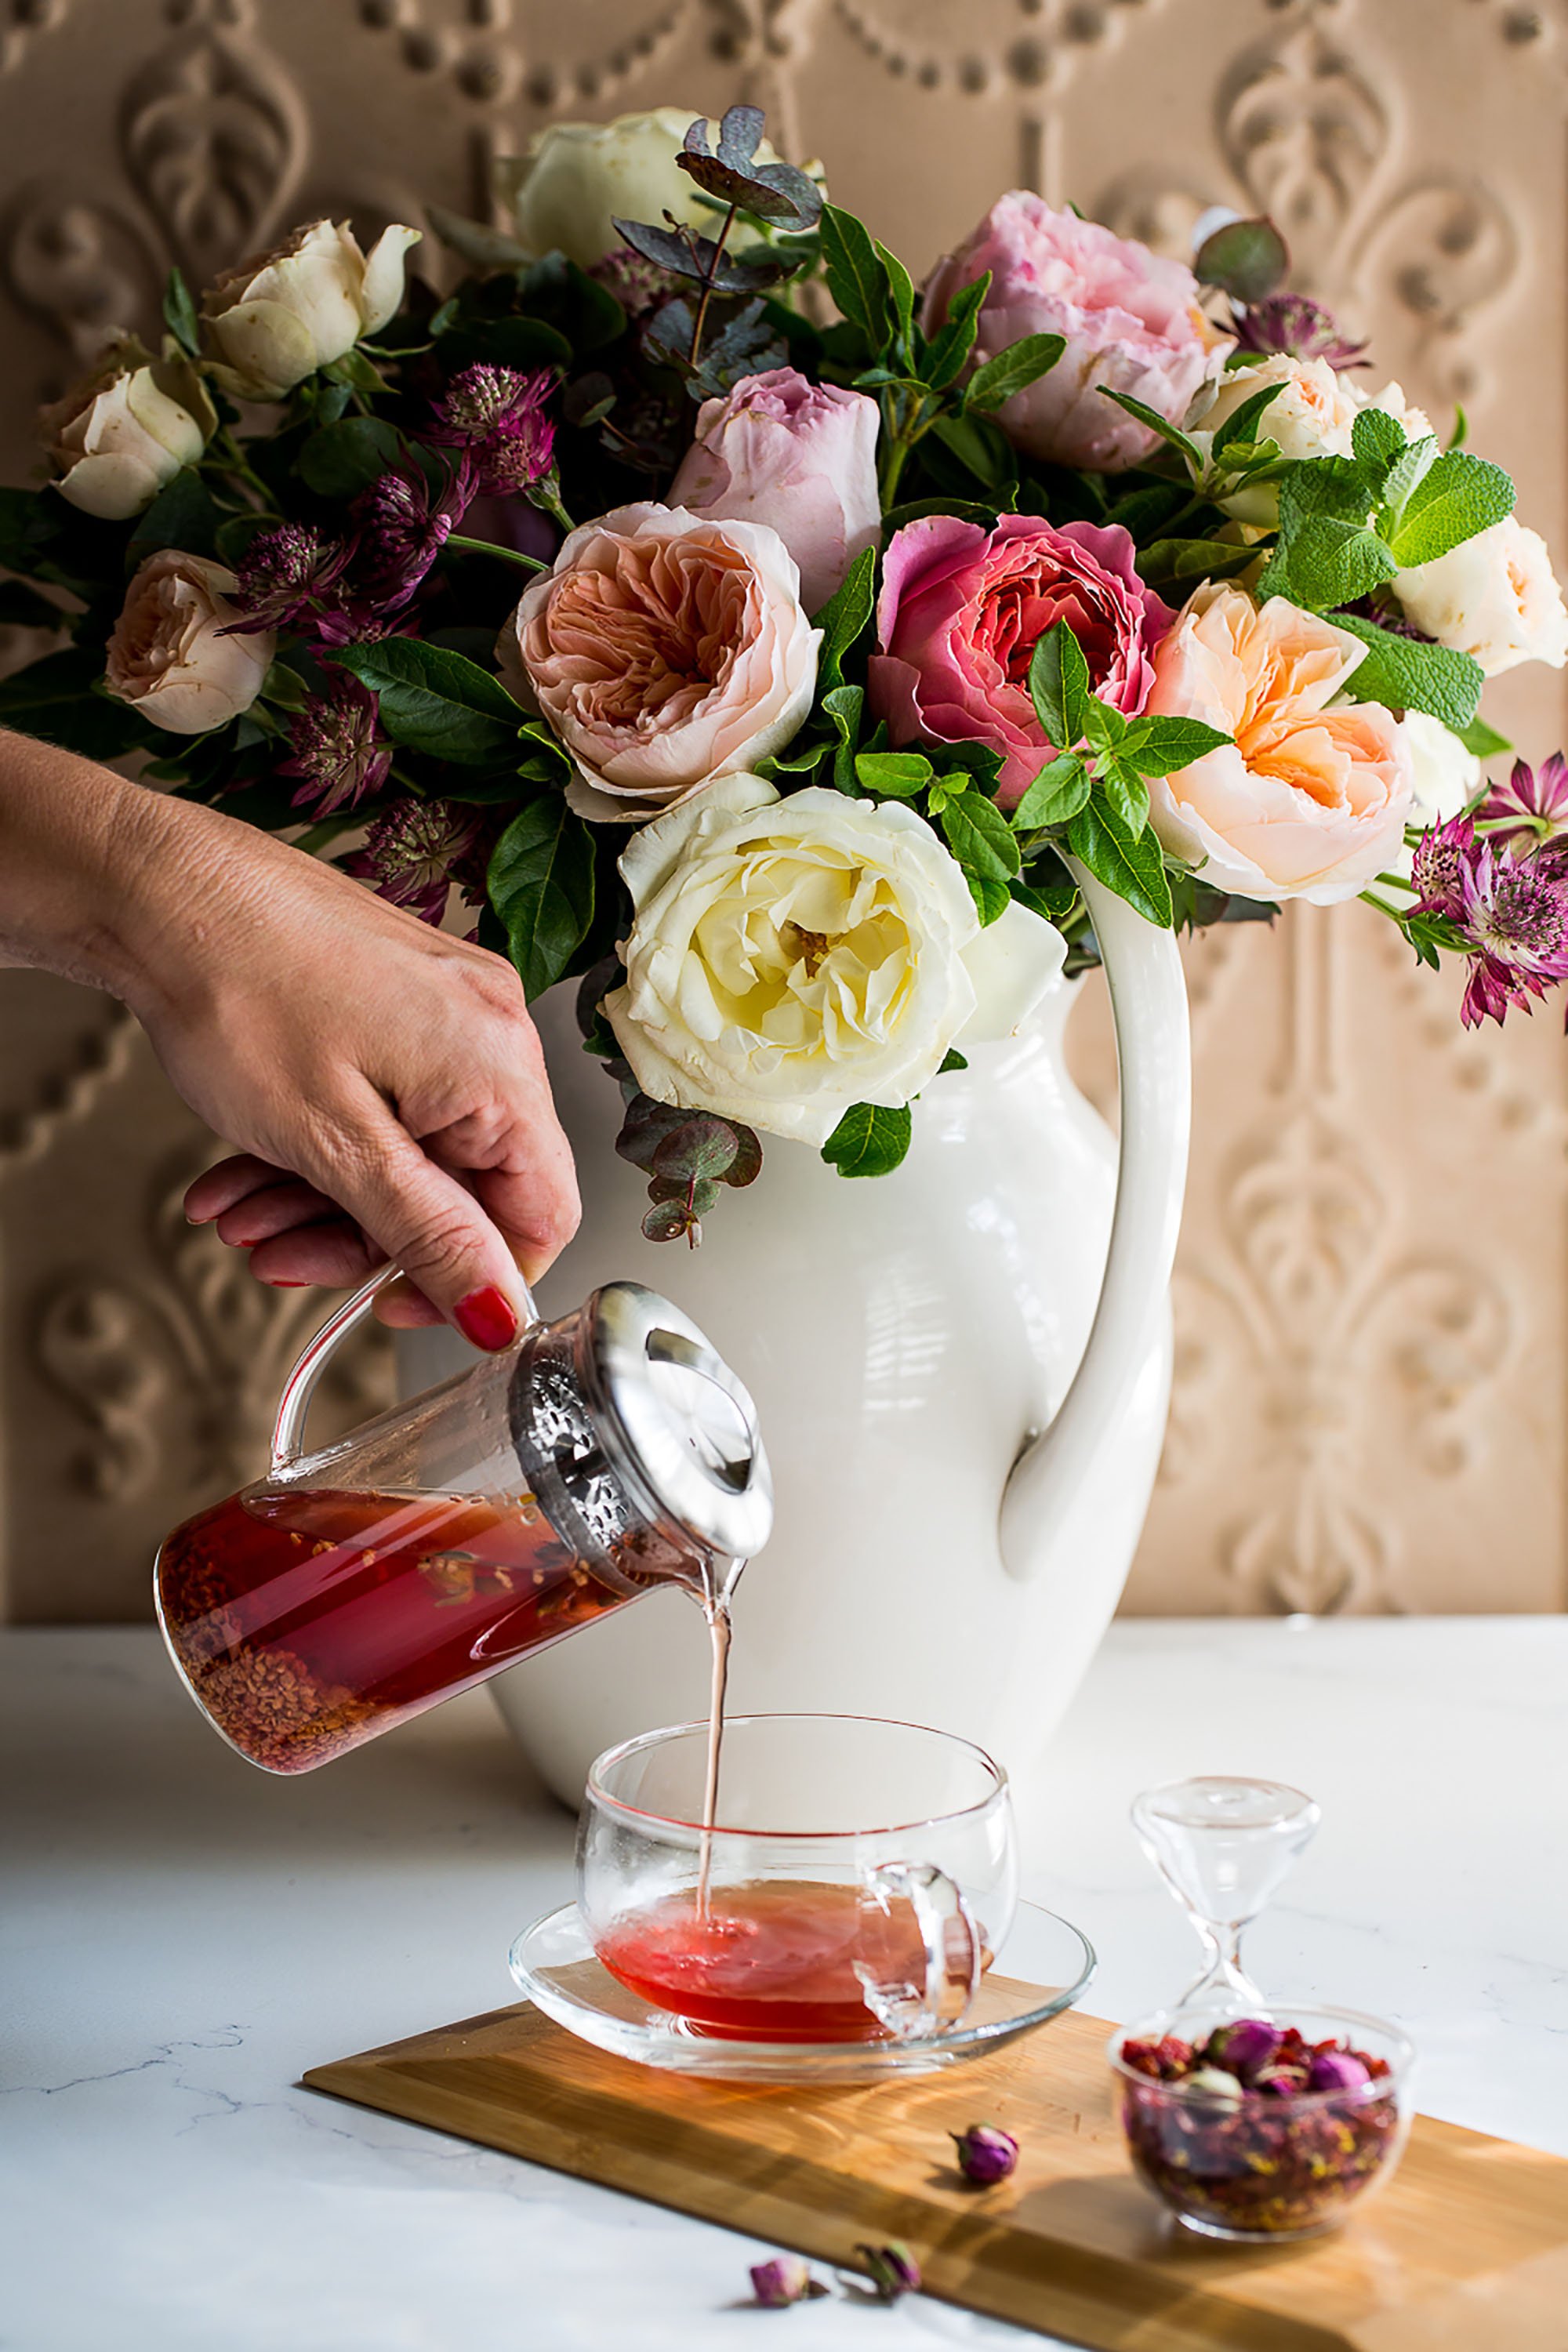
pixel 289 1429
pixel 952 1947
pixel 1153 1054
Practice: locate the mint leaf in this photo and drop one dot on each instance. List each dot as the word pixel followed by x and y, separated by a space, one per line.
pixel 1022 363
pixel 1376 437
pixel 896 775
pixel 1057 793
pixel 437 701
pixel 1156 745
pixel 954 339
pixel 842 619
pixel 1457 497
pixel 1413 461
pixel 1058 686
pixel 854 273
pixel 868 1140
pixel 1406 674
pixel 980 837
pixel 541 885
pixel 1132 868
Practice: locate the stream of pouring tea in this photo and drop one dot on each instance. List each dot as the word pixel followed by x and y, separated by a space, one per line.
pixel 716 1610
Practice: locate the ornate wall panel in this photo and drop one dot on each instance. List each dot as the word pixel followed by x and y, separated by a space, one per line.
pixel 1371 1299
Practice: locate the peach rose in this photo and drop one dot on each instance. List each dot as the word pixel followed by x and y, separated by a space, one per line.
pixel 664 649
pixel 1309 801
pixel 167 654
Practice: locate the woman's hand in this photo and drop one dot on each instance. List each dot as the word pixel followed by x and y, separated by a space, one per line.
pixel 383 1079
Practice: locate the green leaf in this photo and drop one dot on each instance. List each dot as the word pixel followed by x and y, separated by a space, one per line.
pixel 1058 686
pixel 952 1060
pixel 23 608
pixel 1413 461
pixel 1057 793
pixel 894 776
pixel 842 619
pixel 868 1140
pixel 1103 727
pixel 855 276
pixel 54 698
pixel 1023 362
pixel 1157 424
pixel 1132 868
pixel 339 460
pixel 437 701
pixel 980 837
pixel 978 761
pixel 541 883
pixel 1126 793
pixel 902 293
pixel 1457 497
pixel 180 315
pixel 182 515
pixel 981 448
pixel 1157 746
pixel 1406 674
pixel 285 687
pixel 1192 559
pixel 1377 438
pixel 991 897
pixel 1237 427
pixel 954 339
pixel 1483 740
pixel 1050 901
pixel 846 707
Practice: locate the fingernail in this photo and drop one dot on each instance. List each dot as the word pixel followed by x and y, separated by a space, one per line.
pixel 487 1318
pixel 279 1282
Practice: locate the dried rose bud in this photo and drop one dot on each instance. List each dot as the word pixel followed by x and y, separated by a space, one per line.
pixel 984 2154
pixel 894 2270
pixel 1214 2083
pixel 784 2280
pixel 1243 2048
pixel 1336 2070
pixel 1284 2082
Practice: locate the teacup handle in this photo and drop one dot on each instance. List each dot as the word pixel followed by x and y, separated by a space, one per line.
pixel 953 1951
pixel 289 1429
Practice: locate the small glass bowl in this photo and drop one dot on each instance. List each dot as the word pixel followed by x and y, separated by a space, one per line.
pixel 1266 2168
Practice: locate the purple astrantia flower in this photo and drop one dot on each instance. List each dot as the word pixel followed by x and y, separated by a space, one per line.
pixel 498 414
pixel 334 748
pixel 403 521
pixel 410 853
pixel 638 284
pixel 1295 323
pixel 288 578
pixel 986 2155
pixel 1514 915
pixel 1442 856
pixel 1530 809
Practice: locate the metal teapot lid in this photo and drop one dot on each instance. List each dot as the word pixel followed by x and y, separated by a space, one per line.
pixel 678 1428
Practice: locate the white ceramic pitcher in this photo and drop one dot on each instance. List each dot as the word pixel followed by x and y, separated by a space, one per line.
pixel 956 1511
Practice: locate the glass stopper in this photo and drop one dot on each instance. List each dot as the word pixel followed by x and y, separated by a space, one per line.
pixel 1223 1846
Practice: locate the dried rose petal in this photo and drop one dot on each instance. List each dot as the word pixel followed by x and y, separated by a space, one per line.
pixel 784 2280
pixel 986 2155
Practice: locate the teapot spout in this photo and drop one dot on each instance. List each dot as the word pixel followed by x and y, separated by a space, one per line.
pixel 1149 1003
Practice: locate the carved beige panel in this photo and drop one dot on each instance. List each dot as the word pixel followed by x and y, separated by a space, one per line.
pixel 1369 1409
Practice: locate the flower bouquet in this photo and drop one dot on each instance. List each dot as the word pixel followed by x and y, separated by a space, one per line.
pixel 780 650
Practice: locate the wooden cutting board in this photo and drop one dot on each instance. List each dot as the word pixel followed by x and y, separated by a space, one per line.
pixel 1465 2250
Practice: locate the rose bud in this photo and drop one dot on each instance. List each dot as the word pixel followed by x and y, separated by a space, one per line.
pixel 1215 2084
pixel 1243 2048
pixel 894 2270
pixel 1336 2070
pixel 984 2154
pixel 784 2280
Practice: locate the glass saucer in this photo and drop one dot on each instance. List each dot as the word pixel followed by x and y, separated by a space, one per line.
pixel 554 1963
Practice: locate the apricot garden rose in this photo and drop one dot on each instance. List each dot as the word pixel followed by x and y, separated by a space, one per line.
pixel 962 609
pixel 1309 801
pixel 790 958
pixel 1131 319
pixel 170 655
pixel 664 650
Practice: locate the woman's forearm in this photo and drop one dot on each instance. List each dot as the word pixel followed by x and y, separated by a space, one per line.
pixel 77 847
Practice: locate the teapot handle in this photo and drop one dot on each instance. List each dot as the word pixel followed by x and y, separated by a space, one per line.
pixel 1148 1002
pixel 289 1429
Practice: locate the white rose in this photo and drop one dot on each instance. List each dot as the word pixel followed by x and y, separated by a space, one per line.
pixel 1494 596
pixel 167 654
pixel 273 322
pixel 791 957
pixel 118 438
pixel 1444 777
pixel 1314 414
pixel 577 178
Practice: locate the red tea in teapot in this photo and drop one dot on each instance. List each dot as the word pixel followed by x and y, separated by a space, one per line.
pixel 307 1619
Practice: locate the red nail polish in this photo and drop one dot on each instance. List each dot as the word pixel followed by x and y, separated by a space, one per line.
pixel 279 1282
pixel 487 1318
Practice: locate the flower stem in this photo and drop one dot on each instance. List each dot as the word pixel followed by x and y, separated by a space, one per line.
pixel 707 294
pixel 492 547
pixel 1395 914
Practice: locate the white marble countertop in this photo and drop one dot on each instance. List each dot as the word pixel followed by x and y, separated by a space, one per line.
pixel 180 1936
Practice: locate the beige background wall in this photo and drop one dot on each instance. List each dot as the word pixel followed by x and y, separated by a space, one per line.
pixel 1371 1299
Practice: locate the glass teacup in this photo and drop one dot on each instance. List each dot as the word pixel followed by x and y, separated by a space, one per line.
pixel 858 1876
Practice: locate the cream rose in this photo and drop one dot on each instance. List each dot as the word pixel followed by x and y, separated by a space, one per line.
pixel 577 178
pixel 1309 801
pixel 664 649
pixel 167 654
pixel 1314 414
pixel 118 438
pixel 273 321
pixel 1494 596
pixel 1444 777
pixel 791 957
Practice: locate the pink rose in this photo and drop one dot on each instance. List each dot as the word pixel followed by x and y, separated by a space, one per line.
pixel 1131 318
pixel 663 649
pixel 961 610
pixel 1309 801
pixel 800 456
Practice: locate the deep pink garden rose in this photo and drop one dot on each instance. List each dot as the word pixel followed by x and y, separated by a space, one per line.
pixel 1131 319
pixel 799 456
pixel 962 609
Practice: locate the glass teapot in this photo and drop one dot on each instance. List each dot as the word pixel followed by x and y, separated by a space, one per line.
pixel 600 1456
